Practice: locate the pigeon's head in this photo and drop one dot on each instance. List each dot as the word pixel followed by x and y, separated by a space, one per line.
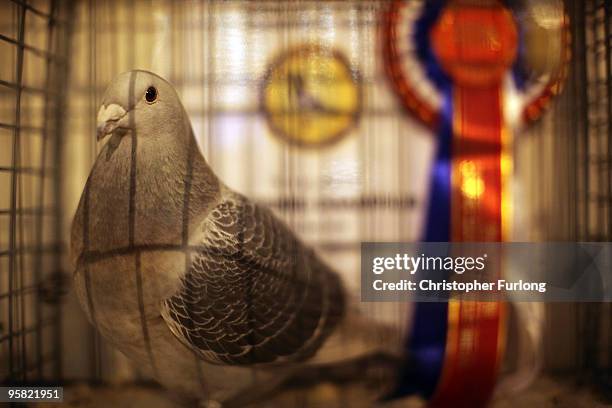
pixel 140 102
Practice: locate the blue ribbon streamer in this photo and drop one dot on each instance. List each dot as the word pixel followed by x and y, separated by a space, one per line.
pixel 426 342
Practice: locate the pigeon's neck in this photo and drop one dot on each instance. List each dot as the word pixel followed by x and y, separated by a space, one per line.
pixel 144 196
pixel 175 192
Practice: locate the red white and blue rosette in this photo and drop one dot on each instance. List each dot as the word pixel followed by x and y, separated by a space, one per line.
pixel 471 71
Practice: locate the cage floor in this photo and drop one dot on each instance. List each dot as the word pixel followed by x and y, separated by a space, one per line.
pixel 544 393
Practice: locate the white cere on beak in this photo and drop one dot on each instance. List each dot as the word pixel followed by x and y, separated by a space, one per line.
pixel 108 118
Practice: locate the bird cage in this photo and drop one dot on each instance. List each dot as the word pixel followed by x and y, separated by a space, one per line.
pixel 34 41
pixel 594 195
pixel 359 177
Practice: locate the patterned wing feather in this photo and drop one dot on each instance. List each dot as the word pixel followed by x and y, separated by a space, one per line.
pixel 254 293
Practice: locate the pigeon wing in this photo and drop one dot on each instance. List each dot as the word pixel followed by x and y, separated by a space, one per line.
pixel 254 293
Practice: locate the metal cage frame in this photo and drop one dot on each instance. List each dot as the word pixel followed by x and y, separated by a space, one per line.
pixel 31 264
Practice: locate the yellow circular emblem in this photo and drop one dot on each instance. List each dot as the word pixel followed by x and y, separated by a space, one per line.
pixel 310 95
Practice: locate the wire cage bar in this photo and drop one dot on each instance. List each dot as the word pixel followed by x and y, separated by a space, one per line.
pixel 572 190
pixel 595 194
pixel 33 39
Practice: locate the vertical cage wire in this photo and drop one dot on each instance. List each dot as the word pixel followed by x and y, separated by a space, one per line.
pixel 587 122
pixel 578 190
pixel 33 41
pixel 596 199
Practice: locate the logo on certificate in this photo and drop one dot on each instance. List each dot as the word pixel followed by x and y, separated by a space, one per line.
pixel 311 96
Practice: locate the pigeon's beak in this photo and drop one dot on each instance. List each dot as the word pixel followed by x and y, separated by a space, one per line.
pixel 109 118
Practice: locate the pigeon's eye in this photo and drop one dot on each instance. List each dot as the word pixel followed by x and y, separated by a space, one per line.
pixel 151 94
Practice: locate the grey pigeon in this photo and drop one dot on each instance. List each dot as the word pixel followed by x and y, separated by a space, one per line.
pixel 211 294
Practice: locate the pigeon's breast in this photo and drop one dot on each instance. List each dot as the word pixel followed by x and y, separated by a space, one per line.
pixel 132 198
pixel 117 291
pixel 101 222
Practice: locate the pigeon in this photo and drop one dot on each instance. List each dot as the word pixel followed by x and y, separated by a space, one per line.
pixel 208 292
